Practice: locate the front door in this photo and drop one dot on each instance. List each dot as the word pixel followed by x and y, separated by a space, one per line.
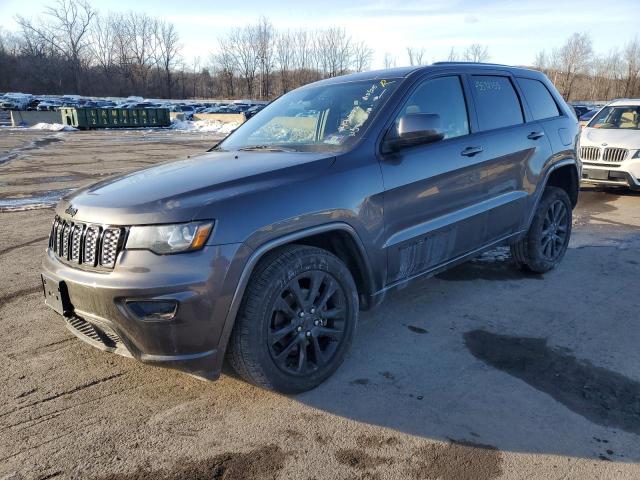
pixel 434 194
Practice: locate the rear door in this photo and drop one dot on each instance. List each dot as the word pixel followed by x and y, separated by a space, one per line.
pixel 515 150
pixel 434 193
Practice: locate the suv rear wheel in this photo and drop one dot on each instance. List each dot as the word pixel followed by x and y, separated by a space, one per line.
pixel 296 321
pixel 546 241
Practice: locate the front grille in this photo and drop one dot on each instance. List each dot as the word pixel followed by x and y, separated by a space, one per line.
pixel 590 153
pixel 615 155
pixel 76 242
pixel 86 244
pixel 107 338
pixel 91 242
pixel 110 242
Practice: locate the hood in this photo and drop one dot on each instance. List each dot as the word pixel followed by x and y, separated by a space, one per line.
pixel 623 138
pixel 177 191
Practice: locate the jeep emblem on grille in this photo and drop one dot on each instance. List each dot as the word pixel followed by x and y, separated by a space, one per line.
pixel 71 210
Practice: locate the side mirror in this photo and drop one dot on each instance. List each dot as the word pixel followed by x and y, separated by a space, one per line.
pixel 415 129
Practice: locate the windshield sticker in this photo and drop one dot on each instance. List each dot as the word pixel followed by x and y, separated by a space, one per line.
pixel 335 139
pixel 352 123
pixel 487 85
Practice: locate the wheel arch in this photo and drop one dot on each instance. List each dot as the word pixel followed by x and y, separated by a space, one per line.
pixel 339 238
pixel 563 174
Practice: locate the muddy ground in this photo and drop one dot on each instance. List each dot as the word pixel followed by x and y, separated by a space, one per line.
pixel 481 373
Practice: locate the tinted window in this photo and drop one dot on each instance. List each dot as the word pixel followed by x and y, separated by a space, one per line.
pixel 540 100
pixel 497 103
pixel 443 96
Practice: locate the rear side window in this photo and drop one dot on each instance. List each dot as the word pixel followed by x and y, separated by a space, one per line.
pixel 444 97
pixel 538 98
pixel 497 103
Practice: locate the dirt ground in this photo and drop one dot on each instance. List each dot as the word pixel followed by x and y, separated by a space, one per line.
pixel 480 373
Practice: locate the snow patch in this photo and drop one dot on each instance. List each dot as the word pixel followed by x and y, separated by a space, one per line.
pixel 53 127
pixel 208 126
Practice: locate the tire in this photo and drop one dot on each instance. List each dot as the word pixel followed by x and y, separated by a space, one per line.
pixel 545 244
pixel 272 345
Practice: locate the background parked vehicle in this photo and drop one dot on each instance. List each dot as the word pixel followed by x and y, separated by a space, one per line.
pixel 585 117
pixel 610 145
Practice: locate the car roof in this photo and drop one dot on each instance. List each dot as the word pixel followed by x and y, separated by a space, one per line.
pixel 625 101
pixel 403 72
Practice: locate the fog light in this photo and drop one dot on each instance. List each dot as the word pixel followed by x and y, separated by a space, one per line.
pixel 153 309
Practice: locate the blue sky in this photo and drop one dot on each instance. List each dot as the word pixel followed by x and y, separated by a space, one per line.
pixel 514 31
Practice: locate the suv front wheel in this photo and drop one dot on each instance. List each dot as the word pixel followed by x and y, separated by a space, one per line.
pixel 546 242
pixel 296 321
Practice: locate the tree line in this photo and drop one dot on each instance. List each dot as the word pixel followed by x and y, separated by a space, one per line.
pixel 73 48
pixel 580 73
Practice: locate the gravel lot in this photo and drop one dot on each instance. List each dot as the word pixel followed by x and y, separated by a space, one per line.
pixel 480 373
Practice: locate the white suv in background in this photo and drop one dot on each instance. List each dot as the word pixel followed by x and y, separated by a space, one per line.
pixel 610 145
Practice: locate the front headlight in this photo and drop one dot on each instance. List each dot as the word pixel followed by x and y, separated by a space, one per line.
pixel 637 154
pixel 162 239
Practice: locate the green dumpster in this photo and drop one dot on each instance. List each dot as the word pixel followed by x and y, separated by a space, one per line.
pixel 115 117
pixel 123 116
pixel 143 115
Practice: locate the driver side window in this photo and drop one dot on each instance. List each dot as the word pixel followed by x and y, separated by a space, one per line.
pixel 442 96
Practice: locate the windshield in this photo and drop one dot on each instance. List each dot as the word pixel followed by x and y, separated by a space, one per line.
pixel 325 118
pixel 624 117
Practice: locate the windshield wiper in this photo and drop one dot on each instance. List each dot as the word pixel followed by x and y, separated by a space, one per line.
pixel 265 148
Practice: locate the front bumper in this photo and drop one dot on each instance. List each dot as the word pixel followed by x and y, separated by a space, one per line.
pixel 203 283
pixel 625 174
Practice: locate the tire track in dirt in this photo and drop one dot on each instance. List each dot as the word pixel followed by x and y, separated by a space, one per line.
pixel 34 145
pixel 26 244
pixel 4 299
pixel 263 463
pixel 65 392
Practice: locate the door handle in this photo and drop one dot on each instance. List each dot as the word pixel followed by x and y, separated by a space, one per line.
pixel 535 135
pixel 471 151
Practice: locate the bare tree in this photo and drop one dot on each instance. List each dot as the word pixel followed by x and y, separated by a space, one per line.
pixel 362 55
pixel 333 48
pixel 285 54
pixel 389 60
pixel 241 45
pixel 303 55
pixel 102 44
pixel 142 43
pixel 168 51
pixel 265 38
pixel 631 56
pixel 574 56
pixel 416 56
pixel 453 55
pixel 65 31
pixel 476 53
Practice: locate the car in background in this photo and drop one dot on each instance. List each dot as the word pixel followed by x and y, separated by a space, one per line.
pixel 252 111
pixel 585 117
pixel 609 145
pixel 580 110
pixel 32 104
pixel 48 105
pixel 15 101
pixel 187 110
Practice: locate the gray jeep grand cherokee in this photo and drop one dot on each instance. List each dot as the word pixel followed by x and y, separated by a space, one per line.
pixel 267 246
